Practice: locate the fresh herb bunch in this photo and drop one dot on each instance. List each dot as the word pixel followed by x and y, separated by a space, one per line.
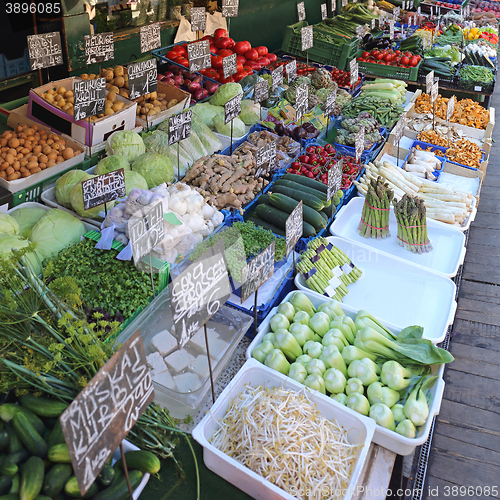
pixel 114 285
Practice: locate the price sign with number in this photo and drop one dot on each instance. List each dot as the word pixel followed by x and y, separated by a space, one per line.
pixel 301 11
pixel 142 78
pixel 353 66
pixel 260 91
pixel 429 81
pixel 277 78
pixel 229 65
pixel 150 37
pixel 45 50
pixel 373 23
pixel 89 98
pixel 291 71
pixel 450 107
pixel 198 19
pixel 360 31
pixel 381 22
pixel 294 228
pixel 301 100
pixel 257 272
pixel 396 12
pixel 333 7
pixel 179 127
pixel 344 3
pixel 265 159
pixel 199 56
pixel 307 37
pixel 103 189
pixel 324 11
pixel 434 92
pixel 399 128
pixel 232 108
pixel 330 103
pixel 359 143
pixel 99 48
pixel 391 28
pixel 230 8
pixel 334 179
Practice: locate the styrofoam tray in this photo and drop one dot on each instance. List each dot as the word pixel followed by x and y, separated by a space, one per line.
pixel 128 446
pixel 397 291
pixel 49 198
pixel 226 139
pixel 448 243
pixel 360 431
pixel 382 436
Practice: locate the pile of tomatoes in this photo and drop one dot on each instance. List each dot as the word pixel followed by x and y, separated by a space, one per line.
pixel 391 57
pixel 343 78
pixel 302 68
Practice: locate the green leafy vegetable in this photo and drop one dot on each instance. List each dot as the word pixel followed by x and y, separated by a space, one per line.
pixel 126 143
pixel 66 183
pixel 111 163
pixel 155 169
pixel 8 225
pixel 27 217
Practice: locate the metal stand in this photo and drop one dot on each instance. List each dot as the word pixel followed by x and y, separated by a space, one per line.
pixel 125 470
pixel 255 313
pixel 231 148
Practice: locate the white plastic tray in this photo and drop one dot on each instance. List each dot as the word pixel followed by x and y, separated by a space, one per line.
pixel 384 437
pixel 448 243
pixel 127 446
pixel 226 139
pixel 397 291
pixel 360 431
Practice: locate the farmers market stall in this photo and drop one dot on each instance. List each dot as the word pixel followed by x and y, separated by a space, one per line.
pixel 261 248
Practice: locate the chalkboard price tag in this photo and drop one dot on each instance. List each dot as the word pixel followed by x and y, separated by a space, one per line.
pixel 381 22
pixel 179 127
pixel 260 91
pixel 373 23
pixel 434 92
pixel 45 50
pixel 265 159
pixel 198 19
pixel 391 29
pixel 330 103
pixel 359 143
pixel 324 11
pixel 229 65
pixel 360 32
pixel 89 98
pixel 103 189
pixel 230 8
pixel 232 108
pixel 334 179
pixel 150 37
pixel 294 228
pixel 100 417
pixel 142 78
pixel 307 37
pixel 333 6
pixel 257 272
pixel 396 12
pixel 429 80
pixel 353 67
pixel 301 11
pixel 199 56
pixel 344 3
pixel 277 78
pixel 198 292
pixel 99 48
pixel 291 71
pixel 450 107
pixel 399 128
pixel 146 231
pixel 412 4
pixel 301 100
pixel 419 10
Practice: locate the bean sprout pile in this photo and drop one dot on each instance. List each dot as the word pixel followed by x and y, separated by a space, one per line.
pixel 281 435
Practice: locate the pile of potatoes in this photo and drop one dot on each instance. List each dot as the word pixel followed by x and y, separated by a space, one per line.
pixel 28 150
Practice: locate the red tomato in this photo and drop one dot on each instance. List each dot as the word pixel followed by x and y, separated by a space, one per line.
pixel 263 61
pixel 223 43
pixel 374 53
pixel 239 76
pixel 379 56
pixel 254 65
pixel 208 37
pixel 241 47
pixel 388 57
pixel 241 60
pixel 210 73
pixel 183 61
pixel 405 61
pixel 413 61
pixel 225 80
pixel 213 49
pixel 262 50
pixel 224 52
pixel 179 49
pixel 272 57
pixel 239 67
pixel 418 57
pixel 216 62
pixel 220 33
pixel 397 52
pixel 171 54
pixel 364 55
pixel 251 55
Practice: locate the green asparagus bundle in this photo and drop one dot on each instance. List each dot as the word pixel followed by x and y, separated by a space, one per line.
pixel 412 224
pixel 375 215
pixel 321 263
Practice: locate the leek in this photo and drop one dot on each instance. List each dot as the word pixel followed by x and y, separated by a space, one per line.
pixel 382 414
pixel 378 393
pixel 285 341
pixel 346 325
pixel 277 361
pixel 302 317
pixel 335 337
pixel 279 321
pixel 358 402
pixel 316 366
pixel 262 350
pixel 287 310
pixel 304 359
pixel 335 381
pixel 298 372
pixel 316 383
pixel 364 369
pixel 351 352
pixel 320 323
pixel 300 301
pixel 333 359
pixel 314 349
pixel 398 412
pixel 407 429
pixel 395 376
pixel 340 398
pixel 354 385
pixel 301 332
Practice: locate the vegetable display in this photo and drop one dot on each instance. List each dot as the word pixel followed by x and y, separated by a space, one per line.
pixel 412 224
pixel 374 221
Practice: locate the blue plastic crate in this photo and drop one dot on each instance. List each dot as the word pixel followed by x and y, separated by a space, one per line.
pixel 436 173
pixel 442 153
pixel 17 66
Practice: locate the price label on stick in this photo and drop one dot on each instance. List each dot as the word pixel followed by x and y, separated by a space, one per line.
pixel 396 12
pixel 179 127
pixel 150 37
pixel 232 108
pixel 450 107
pixel 294 228
pixel 391 29
pixel 260 91
pixel 257 272
pixel 399 128
pixel 307 37
pixel 142 78
pixel 198 19
pixel 344 3
pixel 434 92
pixel 324 11
pixel 353 67
pixel 334 179
pixel 381 22
pixel 373 23
pixel 277 78
pixel 146 230
pixel 199 56
pixel 301 11
pixel 229 65
pixel 359 143
pixel 360 32
pixel 99 48
pixel 411 4
pixel 265 159
pixel 429 81
pixel 198 292
pixel 291 71
pixel 230 8
pixel 301 100
pixel 419 11
pixel 330 103
pixel 45 50
pixel 89 98
pixel 101 416
pixel 333 6
pixel 103 189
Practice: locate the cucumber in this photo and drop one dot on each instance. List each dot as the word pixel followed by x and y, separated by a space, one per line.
pixel 15 443
pixel 142 460
pixel 11 463
pixel 119 490
pixel 118 474
pixel 8 410
pixel 56 436
pixel 325 217
pixel 267 212
pixel 307 199
pixel 42 497
pixel 43 407
pixel 4 439
pixel 10 496
pixel 15 484
pixel 56 478
pixel 303 189
pixel 263 198
pixel 59 453
pixel 31 478
pixel 29 436
pixel 266 225
pixel 5 484
pixel 71 489
pixel 287 204
pixel 306 181
pixel 106 476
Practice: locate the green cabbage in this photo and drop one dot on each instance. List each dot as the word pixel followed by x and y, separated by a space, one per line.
pixel 125 143
pixel 56 230
pixel 8 225
pixel 250 112
pixel 206 113
pixel 225 92
pixel 110 163
pixel 155 168
pixel 66 183
pixel 225 128
pixel 206 136
pixel 12 241
pixel 27 217
pixel 134 180
pixel 76 198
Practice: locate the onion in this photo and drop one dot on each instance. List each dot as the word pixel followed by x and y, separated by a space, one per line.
pixel 211 86
pixel 200 94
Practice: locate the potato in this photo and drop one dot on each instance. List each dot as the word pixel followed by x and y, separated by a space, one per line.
pixel 119 81
pixel 49 97
pixel 114 89
pixel 153 96
pixel 61 90
pixel 68 93
pixel 10 170
pixel 14 176
pixel 109 111
pixel 68 153
pixel 119 71
pixel 171 103
pixel 112 95
pixel 84 76
pixel 124 93
pixel 92 76
pixel 117 106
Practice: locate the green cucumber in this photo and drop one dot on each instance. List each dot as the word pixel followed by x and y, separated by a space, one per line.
pixel 8 410
pixel 56 478
pixel 29 436
pixel 43 407
pixel 4 439
pixel 303 189
pixel 31 478
pixel 56 436
pixel 266 225
pixel 306 181
pixel 266 212
pixel 106 476
pixel 15 484
pixel 142 460
pixel 11 463
pixel 263 198
pixel 59 453
pixel 5 484
pixel 118 474
pixel 119 489
pixel 308 199
pixel 15 443
pixel 287 204
pixel 10 496
pixel 71 489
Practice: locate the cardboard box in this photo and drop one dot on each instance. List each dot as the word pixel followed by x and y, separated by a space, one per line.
pixel 171 92
pixel 59 121
pixel 392 150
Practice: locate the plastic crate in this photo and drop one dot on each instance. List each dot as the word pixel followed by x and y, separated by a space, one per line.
pixel 17 66
pixel 396 72
pixel 487 88
pixel 3 72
